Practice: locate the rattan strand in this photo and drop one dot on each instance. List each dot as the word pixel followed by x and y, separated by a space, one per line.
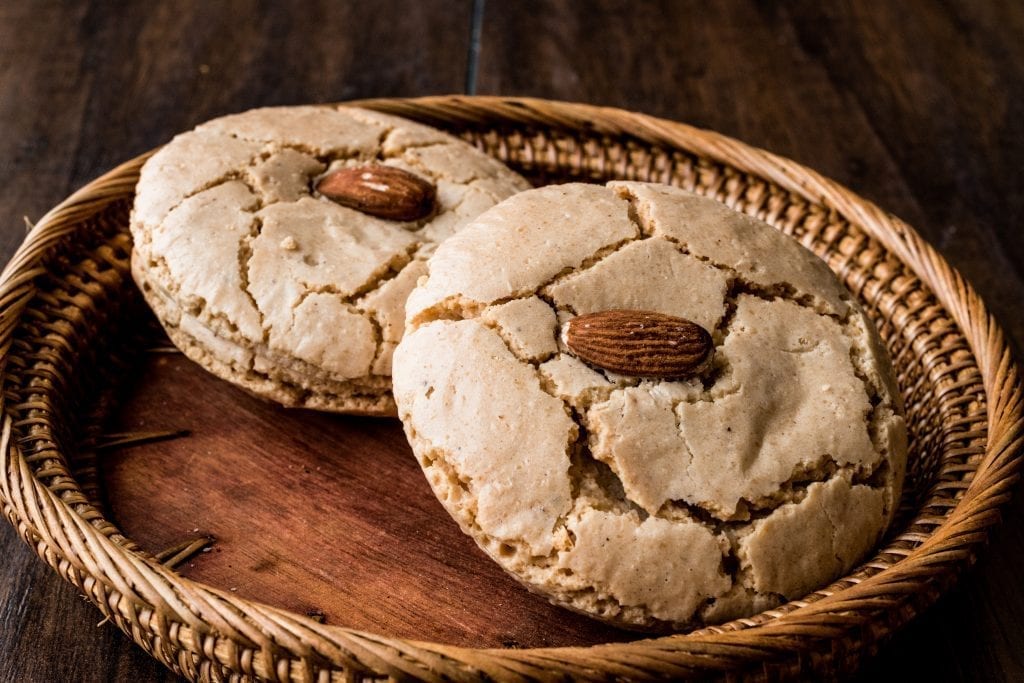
pixel 66 288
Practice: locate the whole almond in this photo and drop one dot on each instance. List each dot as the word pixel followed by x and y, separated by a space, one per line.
pixel 640 343
pixel 381 191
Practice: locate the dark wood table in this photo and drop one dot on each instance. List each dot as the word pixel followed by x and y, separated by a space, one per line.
pixel 918 106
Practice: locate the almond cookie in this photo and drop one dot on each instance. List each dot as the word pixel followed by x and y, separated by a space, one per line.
pixel 766 463
pixel 277 246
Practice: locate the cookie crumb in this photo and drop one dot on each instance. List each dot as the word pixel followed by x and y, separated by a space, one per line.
pixel 289 244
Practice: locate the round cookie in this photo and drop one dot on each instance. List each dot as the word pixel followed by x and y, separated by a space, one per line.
pixel 650 503
pixel 271 285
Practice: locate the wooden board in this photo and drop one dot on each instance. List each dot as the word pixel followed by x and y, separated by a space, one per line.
pixel 324 515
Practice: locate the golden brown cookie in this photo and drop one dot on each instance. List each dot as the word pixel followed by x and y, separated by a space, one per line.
pixel 277 246
pixel 648 502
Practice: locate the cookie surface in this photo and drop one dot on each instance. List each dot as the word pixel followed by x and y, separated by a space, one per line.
pixel 270 285
pixel 650 503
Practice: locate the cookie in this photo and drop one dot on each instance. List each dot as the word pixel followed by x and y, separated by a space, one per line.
pixel 277 246
pixel 652 503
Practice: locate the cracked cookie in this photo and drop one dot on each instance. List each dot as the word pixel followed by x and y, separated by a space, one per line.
pixel 651 503
pixel 295 294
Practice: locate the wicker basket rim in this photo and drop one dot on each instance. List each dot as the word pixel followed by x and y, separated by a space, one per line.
pixel 965 528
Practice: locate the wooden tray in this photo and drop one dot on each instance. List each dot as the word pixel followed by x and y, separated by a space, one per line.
pixel 228 536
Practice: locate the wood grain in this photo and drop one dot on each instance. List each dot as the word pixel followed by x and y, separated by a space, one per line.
pixel 916 105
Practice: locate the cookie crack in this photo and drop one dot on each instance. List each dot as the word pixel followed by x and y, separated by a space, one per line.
pixel 376 329
pixel 730 566
pixel 309 290
pixel 832 541
pixel 534 362
pixel 245 253
pixel 577 270
pixel 596 486
pixel 591 481
pixel 194 306
pixel 458 307
pixel 778 290
pixel 793 490
pixel 586 398
pixel 880 406
pixel 386 272
pixel 878 398
pixel 382 140
pixel 378 336
pixel 784 291
pixel 388 131
pixel 268 147
pixel 325 159
pixel 383 274
pixel 400 151
pixel 427 247
pixel 593 484
pixel 417 163
pixel 229 176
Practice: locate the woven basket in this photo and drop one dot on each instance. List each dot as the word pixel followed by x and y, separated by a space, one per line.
pixel 67 292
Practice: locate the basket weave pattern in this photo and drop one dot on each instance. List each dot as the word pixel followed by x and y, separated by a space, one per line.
pixel 67 296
